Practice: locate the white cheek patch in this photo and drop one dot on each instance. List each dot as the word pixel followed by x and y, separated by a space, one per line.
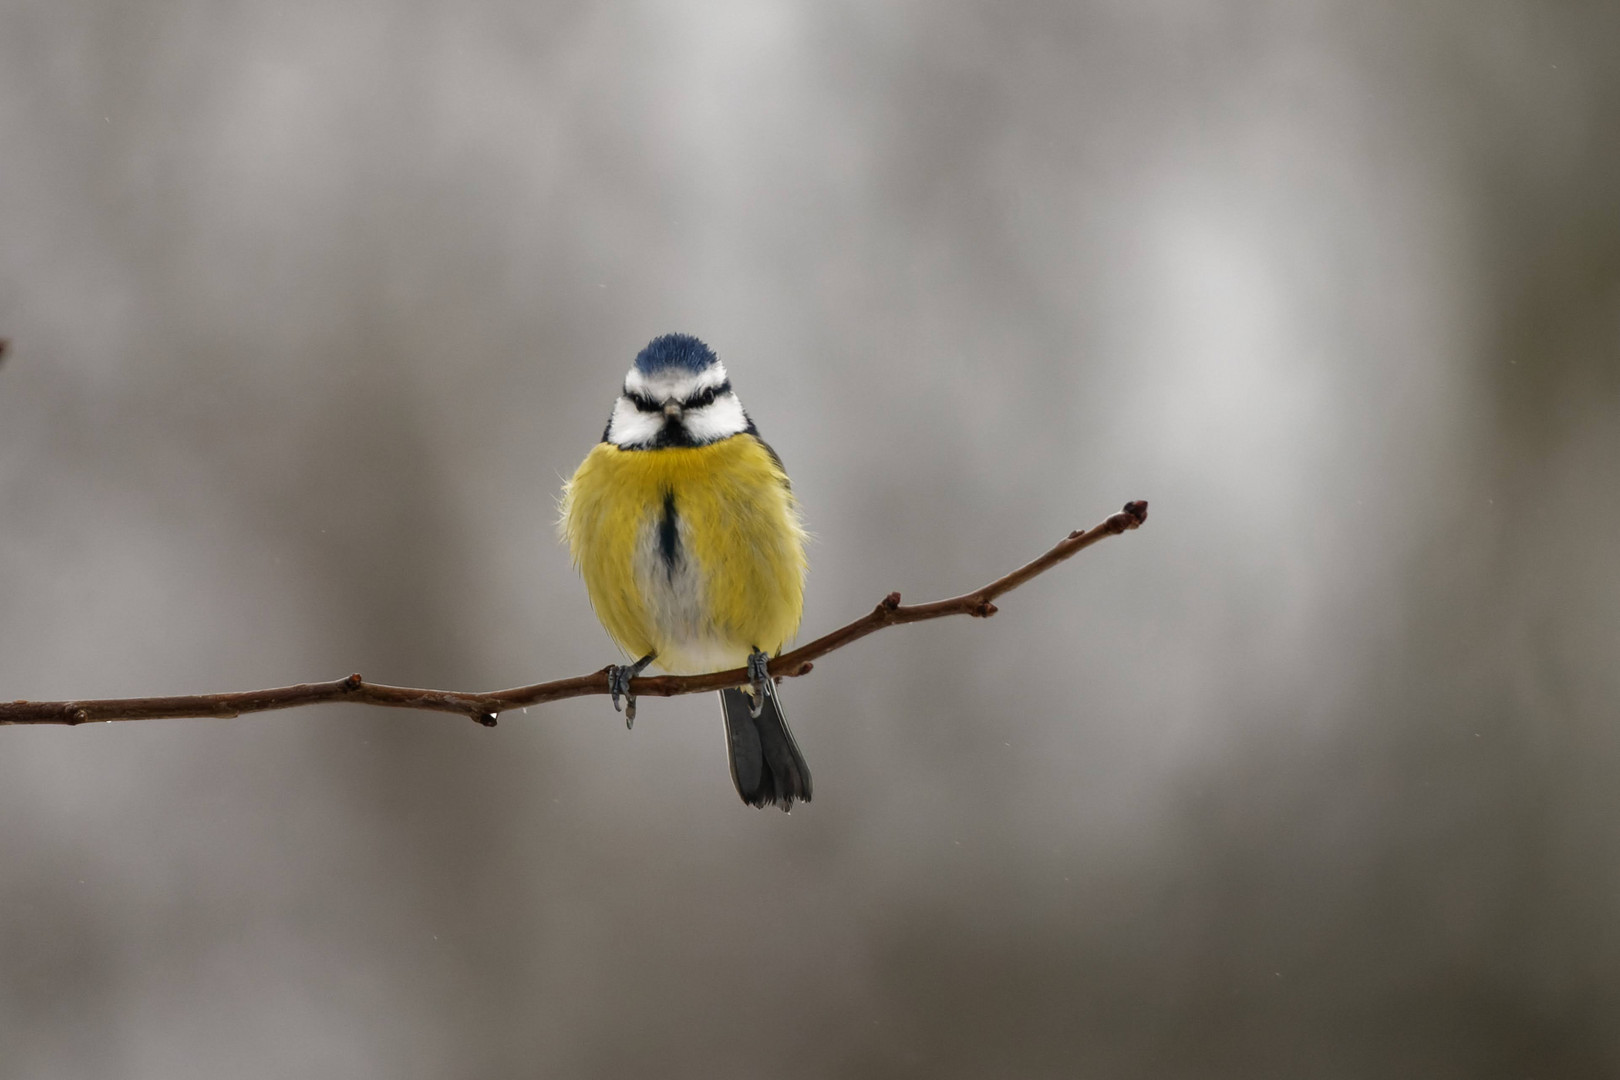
pixel 629 426
pixel 720 420
pixel 679 385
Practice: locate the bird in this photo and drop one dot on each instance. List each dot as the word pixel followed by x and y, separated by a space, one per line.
pixel 684 526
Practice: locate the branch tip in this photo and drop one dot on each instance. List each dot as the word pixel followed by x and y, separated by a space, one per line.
pixel 1130 517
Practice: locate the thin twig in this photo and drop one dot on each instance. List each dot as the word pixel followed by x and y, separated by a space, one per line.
pixel 485 707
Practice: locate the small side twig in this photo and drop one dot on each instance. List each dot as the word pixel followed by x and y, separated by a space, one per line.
pixel 980 603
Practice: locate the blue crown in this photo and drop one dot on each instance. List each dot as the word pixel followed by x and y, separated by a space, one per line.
pixel 680 351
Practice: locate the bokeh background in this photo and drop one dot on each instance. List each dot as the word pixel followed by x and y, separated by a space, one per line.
pixel 314 304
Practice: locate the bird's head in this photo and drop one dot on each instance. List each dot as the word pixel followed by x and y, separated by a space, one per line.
pixel 676 394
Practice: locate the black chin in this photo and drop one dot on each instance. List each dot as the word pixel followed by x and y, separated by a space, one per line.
pixel 673 433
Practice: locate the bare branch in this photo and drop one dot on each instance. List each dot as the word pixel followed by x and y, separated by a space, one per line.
pixel 485 707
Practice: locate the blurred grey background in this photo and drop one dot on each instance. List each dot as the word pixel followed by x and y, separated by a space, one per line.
pixel 314 304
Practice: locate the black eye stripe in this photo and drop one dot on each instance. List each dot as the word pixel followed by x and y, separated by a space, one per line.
pixel 706 397
pixel 645 404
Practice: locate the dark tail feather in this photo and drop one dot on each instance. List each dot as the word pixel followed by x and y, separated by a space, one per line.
pixel 766 764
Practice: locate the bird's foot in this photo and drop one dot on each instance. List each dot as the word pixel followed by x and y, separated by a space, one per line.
pixel 619 676
pixel 759 679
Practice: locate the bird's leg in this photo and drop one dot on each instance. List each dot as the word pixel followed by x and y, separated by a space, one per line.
pixel 759 680
pixel 619 676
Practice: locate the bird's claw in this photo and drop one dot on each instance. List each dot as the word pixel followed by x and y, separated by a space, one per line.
pixel 619 676
pixel 619 686
pixel 759 679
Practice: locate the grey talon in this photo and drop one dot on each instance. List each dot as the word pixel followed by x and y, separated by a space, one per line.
pixel 619 676
pixel 759 679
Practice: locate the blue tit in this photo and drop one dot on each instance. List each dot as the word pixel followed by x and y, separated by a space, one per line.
pixel 684 526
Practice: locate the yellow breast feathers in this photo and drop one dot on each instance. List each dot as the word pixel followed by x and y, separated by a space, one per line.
pixel 693 553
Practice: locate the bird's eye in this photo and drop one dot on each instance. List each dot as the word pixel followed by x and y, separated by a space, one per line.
pixel 705 398
pixel 644 403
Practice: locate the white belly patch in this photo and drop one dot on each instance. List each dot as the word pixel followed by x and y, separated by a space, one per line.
pixel 673 591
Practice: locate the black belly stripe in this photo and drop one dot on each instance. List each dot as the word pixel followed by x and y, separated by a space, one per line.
pixel 669 536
